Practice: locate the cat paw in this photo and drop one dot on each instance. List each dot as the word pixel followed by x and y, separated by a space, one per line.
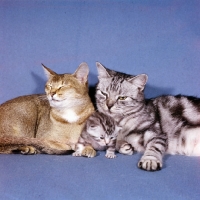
pixel 27 150
pixel 110 155
pixel 89 152
pixel 76 154
pixel 126 149
pixel 150 164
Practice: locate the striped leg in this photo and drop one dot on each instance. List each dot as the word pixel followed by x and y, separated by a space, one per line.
pixel 154 150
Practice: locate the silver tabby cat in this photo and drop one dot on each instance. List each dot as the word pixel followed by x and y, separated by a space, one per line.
pixel 99 133
pixel 167 124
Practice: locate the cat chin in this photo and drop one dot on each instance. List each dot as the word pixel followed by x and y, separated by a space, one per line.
pixel 112 112
pixel 107 112
pixel 56 103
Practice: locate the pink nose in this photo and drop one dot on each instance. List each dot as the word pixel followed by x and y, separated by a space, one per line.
pixel 110 104
pixel 52 94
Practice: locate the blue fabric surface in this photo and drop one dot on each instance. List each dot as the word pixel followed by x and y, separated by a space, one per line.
pixel 68 177
pixel 159 38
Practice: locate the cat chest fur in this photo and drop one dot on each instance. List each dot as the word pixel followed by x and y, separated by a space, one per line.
pixel 66 115
pixel 70 116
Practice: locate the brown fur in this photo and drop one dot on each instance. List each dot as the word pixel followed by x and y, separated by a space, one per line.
pixel 50 123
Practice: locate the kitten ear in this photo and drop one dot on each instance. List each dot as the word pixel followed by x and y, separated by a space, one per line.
pixel 139 81
pixel 48 72
pixel 102 71
pixel 82 73
pixel 91 124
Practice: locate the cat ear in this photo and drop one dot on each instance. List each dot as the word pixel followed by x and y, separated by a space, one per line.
pixel 82 73
pixel 48 71
pixel 91 124
pixel 102 71
pixel 118 128
pixel 139 81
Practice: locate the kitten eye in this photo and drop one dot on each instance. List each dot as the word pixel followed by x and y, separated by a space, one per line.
pixel 102 137
pixel 92 126
pixel 111 138
pixel 122 98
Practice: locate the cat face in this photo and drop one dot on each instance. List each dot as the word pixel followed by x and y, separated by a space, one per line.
pixel 118 93
pixel 66 90
pixel 102 129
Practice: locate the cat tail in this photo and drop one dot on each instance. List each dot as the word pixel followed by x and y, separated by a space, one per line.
pixel 25 145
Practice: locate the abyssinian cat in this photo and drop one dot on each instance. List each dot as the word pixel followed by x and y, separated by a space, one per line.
pixel 166 124
pixel 100 133
pixel 50 123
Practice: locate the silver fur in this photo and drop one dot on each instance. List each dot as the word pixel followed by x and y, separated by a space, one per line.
pixel 100 132
pixel 167 124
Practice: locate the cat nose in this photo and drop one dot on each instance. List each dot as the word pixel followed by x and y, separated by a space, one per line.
pixel 52 94
pixel 110 104
pixel 106 141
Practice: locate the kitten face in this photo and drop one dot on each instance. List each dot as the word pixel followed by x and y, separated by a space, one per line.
pixel 118 93
pixel 100 136
pixel 102 129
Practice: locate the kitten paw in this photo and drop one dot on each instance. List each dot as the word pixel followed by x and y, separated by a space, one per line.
pixel 150 164
pixel 110 155
pixel 126 149
pixel 89 152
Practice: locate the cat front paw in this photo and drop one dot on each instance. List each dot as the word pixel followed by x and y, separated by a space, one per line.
pixel 27 150
pixel 89 152
pixel 126 149
pixel 148 164
pixel 110 155
pixel 76 153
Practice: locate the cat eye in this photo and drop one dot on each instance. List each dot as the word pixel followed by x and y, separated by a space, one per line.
pixel 49 85
pixel 102 137
pixel 122 97
pixel 92 126
pixel 104 93
pixel 60 87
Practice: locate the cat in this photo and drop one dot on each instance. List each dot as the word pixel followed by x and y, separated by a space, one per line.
pixel 166 124
pixel 50 123
pixel 100 133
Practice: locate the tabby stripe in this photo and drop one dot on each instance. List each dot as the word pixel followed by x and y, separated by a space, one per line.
pixel 162 139
pixel 155 149
pixel 161 143
pixel 153 138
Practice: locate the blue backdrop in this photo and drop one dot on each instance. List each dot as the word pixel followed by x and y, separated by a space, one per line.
pixel 156 37
pixel 160 38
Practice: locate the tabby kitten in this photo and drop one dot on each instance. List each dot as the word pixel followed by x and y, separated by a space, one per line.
pixel 167 124
pixel 99 133
pixel 50 123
